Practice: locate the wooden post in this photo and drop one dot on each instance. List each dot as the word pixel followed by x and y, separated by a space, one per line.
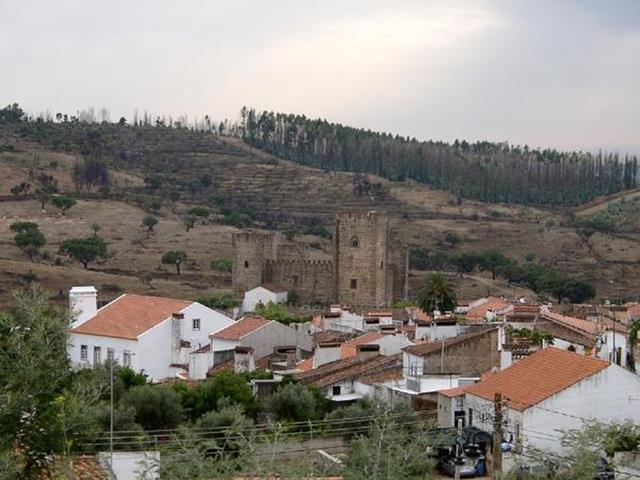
pixel 497 436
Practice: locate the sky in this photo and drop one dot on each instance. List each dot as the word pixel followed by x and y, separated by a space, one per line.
pixel 545 73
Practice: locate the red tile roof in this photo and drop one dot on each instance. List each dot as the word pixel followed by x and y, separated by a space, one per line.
pixel 241 328
pixel 364 339
pixel 306 365
pixel 479 312
pixel 130 315
pixel 453 392
pixel 423 349
pixel 537 377
pixel 584 326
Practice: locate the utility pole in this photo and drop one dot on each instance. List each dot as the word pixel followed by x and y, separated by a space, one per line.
pixel 111 419
pixel 497 436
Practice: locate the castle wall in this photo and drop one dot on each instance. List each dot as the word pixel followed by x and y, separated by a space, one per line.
pixel 312 280
pixel 251 251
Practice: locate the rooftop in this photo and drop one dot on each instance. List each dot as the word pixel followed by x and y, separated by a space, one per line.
pixel 241 328
pixel 364 339
pixel 353 367
pixel 424 349
pixel 479 312
pixel 537 377
pixel 130 315
pixel 583 326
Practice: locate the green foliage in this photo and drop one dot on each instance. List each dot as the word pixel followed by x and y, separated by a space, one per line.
pixel 84 250
pixel 30 241
pixel 221 265
pixel 20 227
pixel 452 238
pixel 226 302
pixel 237 217
pixel 12 114
pixel 392 447
pixel 279 313
pixel 437 294
pixel 174 257
pixel 224 388
pixel 201 212
pixel 486 171
pixel 422 259
pixel 34 369
pixel 156 406
pixel 294 402
pixel 149 221
pixel 63 203
pixel 537 337
pixel 189 221
pixel 22 188
pixel 47 187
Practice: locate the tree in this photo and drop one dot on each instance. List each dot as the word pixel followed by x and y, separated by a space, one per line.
pixel 452 239
pixel 30 242
pixel 174 257
pixel 149 221
pixel 227 387
pixel 95 227
pixel 294 402
pixel 188 221
pixel 201 212
pixel 20 227
pixel 393 447
pixel 63 203
pixel 156 406
pixel 21 189
pixel 47 187
pixel 34 369
pixel 279 313
pixel 492 261
pixel 437 294
pixel 84 250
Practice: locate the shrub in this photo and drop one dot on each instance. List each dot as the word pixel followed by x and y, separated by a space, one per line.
pixel 156 407
pixel 221 265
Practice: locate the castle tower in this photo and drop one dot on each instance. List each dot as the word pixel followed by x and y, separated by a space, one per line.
pixel 361 267
pixel 251 251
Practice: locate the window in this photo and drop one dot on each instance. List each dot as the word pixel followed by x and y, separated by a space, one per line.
pixel 381 265
pixel 84 352
pixel 355 243
pixel 97 355
pixel 126 359
pixel 354 283
pixel 110 354
pixel 196 324
pixel 246 264
pixel 336 390
pixel 470 416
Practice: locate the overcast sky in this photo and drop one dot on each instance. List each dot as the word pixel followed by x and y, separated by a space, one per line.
pixel 562 73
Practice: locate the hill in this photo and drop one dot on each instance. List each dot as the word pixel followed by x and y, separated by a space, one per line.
pixel 169 171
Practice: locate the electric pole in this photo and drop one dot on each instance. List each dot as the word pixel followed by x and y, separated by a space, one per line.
pixel 497 436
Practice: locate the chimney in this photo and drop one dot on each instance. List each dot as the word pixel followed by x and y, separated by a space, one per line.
pixel 367 351
pixel 83 303
pixel 388 329
pixel 326 353
pixel 176 336
pixel 243 360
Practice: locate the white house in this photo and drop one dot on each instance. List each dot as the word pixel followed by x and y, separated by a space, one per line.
pixel 262 296
pixel 146 333
pixel 251 331
pixel 545 393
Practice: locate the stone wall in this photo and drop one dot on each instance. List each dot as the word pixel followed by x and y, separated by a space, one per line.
pixel 251 250
pixel 474 356
pixel 312 280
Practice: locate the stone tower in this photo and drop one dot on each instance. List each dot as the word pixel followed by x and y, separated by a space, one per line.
pixel 251 252
pixel 362 271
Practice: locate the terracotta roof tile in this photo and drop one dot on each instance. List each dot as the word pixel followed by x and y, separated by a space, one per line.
pixel 537 377
pixel 364 339
pixel 479 312
pixel 130 315
pixel 583 326
pixel 454 392
pixel 306 365
pixel 341 370
pixel 241 328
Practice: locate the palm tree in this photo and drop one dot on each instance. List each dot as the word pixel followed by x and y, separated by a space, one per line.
pixel 438 293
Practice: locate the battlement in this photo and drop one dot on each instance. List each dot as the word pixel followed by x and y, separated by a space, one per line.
pixel 307 264
pixel 252 236
pixel 362 216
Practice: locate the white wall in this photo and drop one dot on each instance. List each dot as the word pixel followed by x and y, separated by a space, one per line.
pixel 120 345
pixel 199 365
pixel 435 333
pixel 412 364
pixel 324 355
pixel 210 321
pixel 261 295
pixel 275 334
pixel 392 344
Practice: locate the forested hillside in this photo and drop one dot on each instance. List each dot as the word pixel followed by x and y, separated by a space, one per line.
pixel 485 171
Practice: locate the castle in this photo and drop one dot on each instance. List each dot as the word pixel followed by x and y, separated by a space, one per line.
pixel 368 267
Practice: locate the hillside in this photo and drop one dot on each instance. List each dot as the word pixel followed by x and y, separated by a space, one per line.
pixel 170 170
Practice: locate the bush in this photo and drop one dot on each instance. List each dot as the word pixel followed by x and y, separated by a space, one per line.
pixel 221 265
pixel 201 212
pixel 295 403
pixel 279 313
pixel 157 407
pixel 226 302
